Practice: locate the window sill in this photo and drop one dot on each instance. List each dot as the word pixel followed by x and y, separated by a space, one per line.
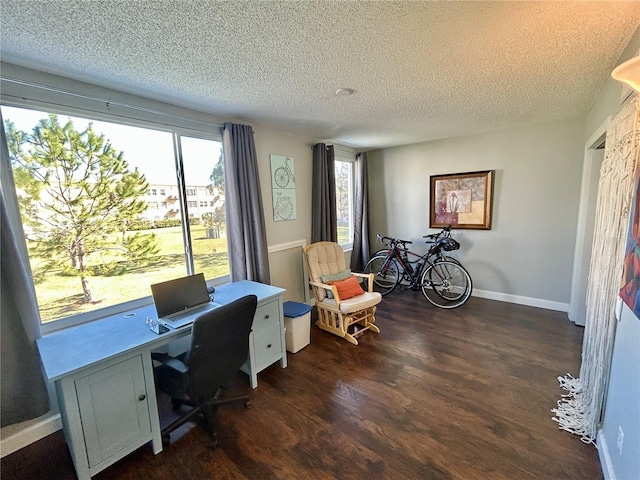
pixel 80 318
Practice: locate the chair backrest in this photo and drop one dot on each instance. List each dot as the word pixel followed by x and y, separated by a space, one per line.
pixel 219 345
pixel 323 259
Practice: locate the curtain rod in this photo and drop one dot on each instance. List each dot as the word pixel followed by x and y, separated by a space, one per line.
pixel 337 149
pixel 106 101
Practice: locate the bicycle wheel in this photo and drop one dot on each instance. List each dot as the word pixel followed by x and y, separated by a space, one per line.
pixel 287 210
pixel 446 284
pixel 382 251
pixel 281 177
pixel 386 278
pixel 448 281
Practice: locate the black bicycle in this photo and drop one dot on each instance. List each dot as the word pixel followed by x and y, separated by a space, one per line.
pixel 435 250
pixel 443 280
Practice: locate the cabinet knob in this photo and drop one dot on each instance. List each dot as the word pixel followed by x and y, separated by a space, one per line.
pixel 142 397
pixel 269 346
pixel 266 316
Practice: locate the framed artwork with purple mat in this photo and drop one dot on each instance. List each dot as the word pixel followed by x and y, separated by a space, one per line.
pixel 462 200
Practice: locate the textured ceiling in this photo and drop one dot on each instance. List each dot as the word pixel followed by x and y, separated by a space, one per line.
pixel 420 70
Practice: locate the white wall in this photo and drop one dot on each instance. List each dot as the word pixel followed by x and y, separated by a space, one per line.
pixel 286 265
pixel 274 142
pixel 527 256
pixel 622 407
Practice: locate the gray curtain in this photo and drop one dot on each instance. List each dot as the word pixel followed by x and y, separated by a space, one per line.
pixel 248 249
pixel 324 224
pixel 360 253
pixel 23 391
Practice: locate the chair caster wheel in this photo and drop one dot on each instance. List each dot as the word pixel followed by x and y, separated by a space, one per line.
pixel 247 403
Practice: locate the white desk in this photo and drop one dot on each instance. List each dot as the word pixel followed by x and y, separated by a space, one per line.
pixel 104 381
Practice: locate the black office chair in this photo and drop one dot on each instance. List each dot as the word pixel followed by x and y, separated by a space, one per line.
pixel 219 347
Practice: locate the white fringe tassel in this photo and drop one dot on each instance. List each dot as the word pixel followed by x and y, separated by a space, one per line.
pixel 579 411
pixel 571 413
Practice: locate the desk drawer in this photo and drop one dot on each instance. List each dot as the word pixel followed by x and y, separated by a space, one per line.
pixel 267 345
pixel 266 315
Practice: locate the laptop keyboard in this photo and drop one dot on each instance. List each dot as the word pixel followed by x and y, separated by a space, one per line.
pixel 190 313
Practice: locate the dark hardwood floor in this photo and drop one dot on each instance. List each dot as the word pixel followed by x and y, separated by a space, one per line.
pixel 439 394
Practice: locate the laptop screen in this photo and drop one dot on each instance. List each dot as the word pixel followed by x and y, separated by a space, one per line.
pixel 179 294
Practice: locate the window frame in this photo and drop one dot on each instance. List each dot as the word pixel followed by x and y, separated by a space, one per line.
pixel 343 158
pixel 160 121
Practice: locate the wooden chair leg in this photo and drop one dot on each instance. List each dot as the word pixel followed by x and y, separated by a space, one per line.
pixel 338 323
pixel 350 338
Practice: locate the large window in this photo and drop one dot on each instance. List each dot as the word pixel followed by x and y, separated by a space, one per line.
pixel 105 213
pixel 345 201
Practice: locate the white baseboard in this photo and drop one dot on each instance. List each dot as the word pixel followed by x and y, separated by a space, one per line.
pixel 519 299
pixel 30 434
pixel 605 458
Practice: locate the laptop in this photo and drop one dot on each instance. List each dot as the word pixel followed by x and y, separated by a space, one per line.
pixel 178 302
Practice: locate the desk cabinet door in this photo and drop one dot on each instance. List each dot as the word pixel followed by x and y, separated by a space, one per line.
pixel 114 408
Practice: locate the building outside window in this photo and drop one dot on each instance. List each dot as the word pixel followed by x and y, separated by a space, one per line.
pixel 95 238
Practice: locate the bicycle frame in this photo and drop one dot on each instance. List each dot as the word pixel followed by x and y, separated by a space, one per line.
pixel 400 256
pixel 402 252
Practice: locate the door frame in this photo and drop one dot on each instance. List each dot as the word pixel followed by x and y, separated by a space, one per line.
pixel 579 279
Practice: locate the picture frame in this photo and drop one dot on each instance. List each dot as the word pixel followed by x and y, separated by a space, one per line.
pixel 283 188
pixel 462 200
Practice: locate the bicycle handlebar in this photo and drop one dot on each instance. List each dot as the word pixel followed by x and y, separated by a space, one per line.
pixel 446 231
pixel 431 238
pixel 392 240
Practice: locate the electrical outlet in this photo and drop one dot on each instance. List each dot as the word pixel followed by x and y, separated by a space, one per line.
pixel 620 439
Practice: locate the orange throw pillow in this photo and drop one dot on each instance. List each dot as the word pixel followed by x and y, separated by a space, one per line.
pixel 348 288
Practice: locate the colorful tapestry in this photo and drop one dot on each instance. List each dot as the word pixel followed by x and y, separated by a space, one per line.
pixel 630 291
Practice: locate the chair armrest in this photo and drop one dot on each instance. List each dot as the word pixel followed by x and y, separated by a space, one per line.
pixel 170 362
pixel 334 290
pixel 368 276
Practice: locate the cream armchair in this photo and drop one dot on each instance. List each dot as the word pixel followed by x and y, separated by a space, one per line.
pixel 345 317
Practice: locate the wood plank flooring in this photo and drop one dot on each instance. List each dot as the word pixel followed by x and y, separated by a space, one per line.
pixel 439 394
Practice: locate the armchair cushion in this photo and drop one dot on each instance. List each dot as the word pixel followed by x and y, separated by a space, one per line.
pixel 366 300
pixel 348 288
pixel 329 279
